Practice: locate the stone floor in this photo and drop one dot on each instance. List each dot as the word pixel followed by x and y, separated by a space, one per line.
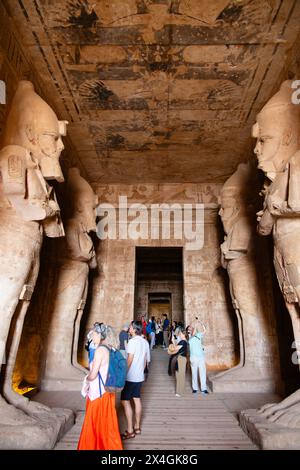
pixel 190 422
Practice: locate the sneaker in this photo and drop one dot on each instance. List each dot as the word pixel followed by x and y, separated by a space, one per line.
pixel 204 392
pixel 195 391
pixel 177 395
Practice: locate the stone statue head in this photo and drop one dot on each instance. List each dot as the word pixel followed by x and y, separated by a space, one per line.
pixel 235 196
pixel 277 131
pixel 82 199
pixel 32 124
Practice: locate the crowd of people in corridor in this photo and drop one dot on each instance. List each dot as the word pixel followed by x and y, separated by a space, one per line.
pixel 100 430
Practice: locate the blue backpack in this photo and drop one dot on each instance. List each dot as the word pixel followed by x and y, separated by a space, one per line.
pixel 149 328
pixel 117 371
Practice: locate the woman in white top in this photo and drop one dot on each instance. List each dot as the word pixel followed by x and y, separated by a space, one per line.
pixel 100 429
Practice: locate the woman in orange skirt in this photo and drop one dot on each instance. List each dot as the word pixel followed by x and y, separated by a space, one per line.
pixel 100 429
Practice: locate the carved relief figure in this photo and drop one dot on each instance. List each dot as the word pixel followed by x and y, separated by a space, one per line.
pixel 31 146
pixel 76 257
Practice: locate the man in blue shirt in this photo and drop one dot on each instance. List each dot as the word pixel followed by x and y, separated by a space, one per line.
pixel 197 358
pixel 166 324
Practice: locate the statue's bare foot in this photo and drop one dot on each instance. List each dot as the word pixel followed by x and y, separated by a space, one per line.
pixel 289 417
pixel 25 404
pixel 20 431
pixel 9 415
pixel 36 408
pixel 268 409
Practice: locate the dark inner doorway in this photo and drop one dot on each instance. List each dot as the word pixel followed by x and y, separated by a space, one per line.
pixel 159 283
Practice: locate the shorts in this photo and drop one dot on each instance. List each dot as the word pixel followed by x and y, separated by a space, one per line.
pixel 131 390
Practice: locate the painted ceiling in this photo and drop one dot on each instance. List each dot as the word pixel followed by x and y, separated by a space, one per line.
pixel 158 90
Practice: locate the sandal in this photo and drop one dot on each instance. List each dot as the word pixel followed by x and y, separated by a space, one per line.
pixel 127 435
pixel 137 430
